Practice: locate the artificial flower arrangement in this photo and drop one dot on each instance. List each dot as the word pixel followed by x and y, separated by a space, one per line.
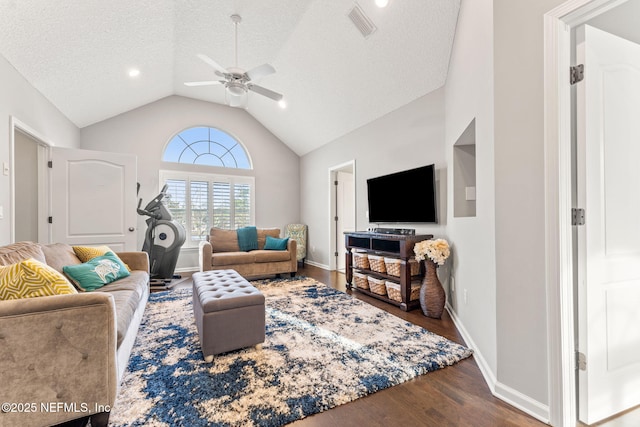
pixel 437 250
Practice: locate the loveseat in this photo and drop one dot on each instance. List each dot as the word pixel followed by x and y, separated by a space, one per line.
pixel 62 356
pixel 222 251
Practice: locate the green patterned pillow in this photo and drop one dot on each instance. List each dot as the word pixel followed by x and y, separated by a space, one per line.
pixel 31 278
pixel 97 272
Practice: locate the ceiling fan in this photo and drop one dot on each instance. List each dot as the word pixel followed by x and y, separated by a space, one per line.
pixel 236 81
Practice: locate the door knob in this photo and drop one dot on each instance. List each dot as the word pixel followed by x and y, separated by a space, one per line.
pixel 131 229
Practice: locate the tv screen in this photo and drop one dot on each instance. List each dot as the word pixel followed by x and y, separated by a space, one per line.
pixel 407 196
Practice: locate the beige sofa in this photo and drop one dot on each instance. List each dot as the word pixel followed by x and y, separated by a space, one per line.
pixel 64 355
pixel 222 252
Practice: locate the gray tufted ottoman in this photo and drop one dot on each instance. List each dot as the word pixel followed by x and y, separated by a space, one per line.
pixel 229 312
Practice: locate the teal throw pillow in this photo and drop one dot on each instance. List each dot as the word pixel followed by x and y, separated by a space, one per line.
pixel 247 238
pixel 275 244
pixel 97 272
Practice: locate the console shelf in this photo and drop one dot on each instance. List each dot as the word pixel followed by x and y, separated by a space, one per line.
pixel 398 246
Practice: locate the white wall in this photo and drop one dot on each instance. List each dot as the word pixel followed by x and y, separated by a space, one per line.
pixel 22 101
pixel 469 96
pixel 145 131
pixel 519 192
pixel 408 137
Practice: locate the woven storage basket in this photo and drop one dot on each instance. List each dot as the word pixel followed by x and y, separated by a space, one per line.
pixel 393 290
pixel 377 286
pixel 376 263
pixel 393 266
pixel 361 280
pixel 361 260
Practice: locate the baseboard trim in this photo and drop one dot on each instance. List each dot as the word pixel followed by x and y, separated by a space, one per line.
pixel 523 402
pixel 317 264
pixel 503 392
pixel 487 373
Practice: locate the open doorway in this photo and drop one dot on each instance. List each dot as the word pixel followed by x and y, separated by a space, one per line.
pixel 342 211
pixel 566 280
pixel 29 182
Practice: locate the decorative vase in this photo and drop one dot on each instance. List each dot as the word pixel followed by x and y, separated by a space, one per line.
pixel 432 296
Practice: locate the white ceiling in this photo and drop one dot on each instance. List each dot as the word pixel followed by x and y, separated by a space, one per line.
pixel 77 53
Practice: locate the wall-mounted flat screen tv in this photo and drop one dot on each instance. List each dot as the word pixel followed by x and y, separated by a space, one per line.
pixel 408 196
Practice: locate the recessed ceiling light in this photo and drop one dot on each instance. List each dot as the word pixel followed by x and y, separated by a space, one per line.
pixel 382 3
pixel 134 72
pixel 282 103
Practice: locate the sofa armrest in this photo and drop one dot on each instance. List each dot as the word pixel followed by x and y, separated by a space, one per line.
pixel 57 358
pixel 135 260
pixel 292 246
pixel 205 252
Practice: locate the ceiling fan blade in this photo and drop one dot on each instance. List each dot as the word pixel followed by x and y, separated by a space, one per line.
pixel 213 63
pixel 260 72
pixel 266 92
pixel 206 83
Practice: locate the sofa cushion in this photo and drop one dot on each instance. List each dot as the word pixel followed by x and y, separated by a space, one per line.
pixel 224 240
pixel 264 232
pixel 97 272
pixel 271 256
pixel 126 303
pixel 137 281
pixel 31 278
pixel 57 255
pixel 16 252
pixel 230 258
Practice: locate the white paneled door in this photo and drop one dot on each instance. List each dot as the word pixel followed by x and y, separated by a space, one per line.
pixel 93 199
pixel 345 211
pixel 608 188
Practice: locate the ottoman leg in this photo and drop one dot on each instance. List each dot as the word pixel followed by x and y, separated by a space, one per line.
pixel 209 358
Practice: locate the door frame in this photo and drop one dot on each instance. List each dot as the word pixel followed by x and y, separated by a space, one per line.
pixel 44 232
pixel 333 240
pixel 560 257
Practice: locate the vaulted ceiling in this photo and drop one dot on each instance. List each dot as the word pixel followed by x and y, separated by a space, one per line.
pixel 78 53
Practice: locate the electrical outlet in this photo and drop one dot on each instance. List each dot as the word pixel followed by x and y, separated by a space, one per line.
pixel 464 296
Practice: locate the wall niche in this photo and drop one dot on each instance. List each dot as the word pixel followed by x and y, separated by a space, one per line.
pixel 464 173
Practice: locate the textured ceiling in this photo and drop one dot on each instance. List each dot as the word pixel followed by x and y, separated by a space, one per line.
pixel 77 53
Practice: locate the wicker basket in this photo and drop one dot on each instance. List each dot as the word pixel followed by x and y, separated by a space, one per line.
pixel 377 286
pixel 361 281
pixel 393 290
pixel 393 266
pixel 376 263
pixel 361 260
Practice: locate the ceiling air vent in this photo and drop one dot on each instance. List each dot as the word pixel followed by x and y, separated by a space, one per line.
pixel 361 21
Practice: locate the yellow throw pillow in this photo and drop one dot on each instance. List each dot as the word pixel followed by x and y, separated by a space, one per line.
pixel 87 253
pixel 31 278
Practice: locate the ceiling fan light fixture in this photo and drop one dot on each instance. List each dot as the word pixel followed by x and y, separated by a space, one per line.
pixel 236 89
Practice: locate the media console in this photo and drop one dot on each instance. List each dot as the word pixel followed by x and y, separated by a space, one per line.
pixel 399 246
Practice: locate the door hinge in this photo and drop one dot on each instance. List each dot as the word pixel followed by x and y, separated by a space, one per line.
pixel 335 218
pixel 50 220
pixel 577 216
pixel 576 73
pixel 581 361
pixel 336 254
pixel 50 164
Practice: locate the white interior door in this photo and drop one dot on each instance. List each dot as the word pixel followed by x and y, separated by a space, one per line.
pixel 345 210
pixel 608 167
pixel 94 198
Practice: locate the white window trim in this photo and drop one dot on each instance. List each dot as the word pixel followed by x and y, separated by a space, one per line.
pixel 209 177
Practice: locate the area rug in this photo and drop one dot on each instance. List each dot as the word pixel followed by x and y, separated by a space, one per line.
pixel 323 348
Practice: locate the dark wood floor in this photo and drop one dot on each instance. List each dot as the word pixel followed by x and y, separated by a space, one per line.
pixel 454 396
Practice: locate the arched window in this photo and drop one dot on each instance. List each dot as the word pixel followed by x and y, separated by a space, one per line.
pixel 201 200
pixel 206 146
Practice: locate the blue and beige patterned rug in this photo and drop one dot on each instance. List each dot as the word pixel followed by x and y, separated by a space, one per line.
pixel 323 348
